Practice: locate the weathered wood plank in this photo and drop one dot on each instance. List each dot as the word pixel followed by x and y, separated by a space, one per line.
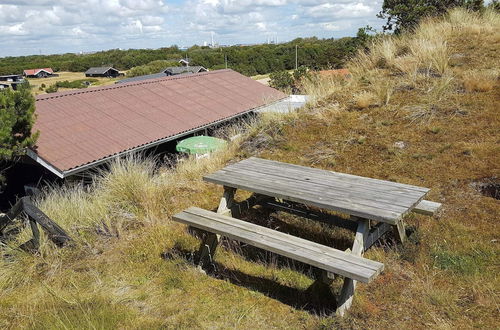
pixel 226 202
pixel 328 181
pixel 239 208
pixel 323 257
pixel 314 189
pixel 364 197
pixel 55 233
pixel 377 198
pixel 427 207
pixel 376 233
pixel 274 190
pixel 346 295
pixel 11 214
pixel 400 231
pixel 313 246
pixel 340 176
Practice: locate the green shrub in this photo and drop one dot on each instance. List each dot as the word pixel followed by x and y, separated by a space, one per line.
pixel 52 88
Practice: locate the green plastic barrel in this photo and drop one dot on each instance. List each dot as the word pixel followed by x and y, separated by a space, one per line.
pixel 200 145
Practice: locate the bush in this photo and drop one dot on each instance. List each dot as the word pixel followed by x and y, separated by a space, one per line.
pixel 285 81
pixel 281 80
pixel 52 88
pixel 82 83
pixel 150 68
pixel 479 82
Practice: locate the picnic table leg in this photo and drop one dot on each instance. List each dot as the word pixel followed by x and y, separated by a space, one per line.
pixel 399 231
pixel 346 295
pixel 226 202
pixel 209 245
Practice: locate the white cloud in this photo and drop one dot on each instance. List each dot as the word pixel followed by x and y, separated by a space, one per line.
pixel 73 25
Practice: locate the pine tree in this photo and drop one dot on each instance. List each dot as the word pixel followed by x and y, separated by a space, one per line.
pixel 405 14
pixel 17 116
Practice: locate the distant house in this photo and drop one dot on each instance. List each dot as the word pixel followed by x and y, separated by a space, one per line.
pixel 39 73
pixel 339 73
pixel 140 78
pixel 175 70
pixel 171 71
pixel 104 71
pixel 184 61
pixel 11 78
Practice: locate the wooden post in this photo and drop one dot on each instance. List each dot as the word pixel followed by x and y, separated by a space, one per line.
pixel 399 231
pixel 226 202
pixel 346 295
pixel 11 214
pixel 207 249
pixel 55 233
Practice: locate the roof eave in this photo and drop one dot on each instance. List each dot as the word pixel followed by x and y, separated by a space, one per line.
pixel 33 155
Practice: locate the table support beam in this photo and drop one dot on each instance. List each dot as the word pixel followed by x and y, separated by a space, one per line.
pixel 376 232
pixel 207 249
pixel 295 209
pixel 346 295
pixel 400 231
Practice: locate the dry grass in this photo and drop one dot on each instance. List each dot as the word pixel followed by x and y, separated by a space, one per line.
pixel 117 276
pixel 364 100
pixel 479 81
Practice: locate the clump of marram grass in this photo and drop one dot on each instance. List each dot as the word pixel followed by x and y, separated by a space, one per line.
pixel 364 100
pixel 432 54
pixel 320 87
pixel 479 81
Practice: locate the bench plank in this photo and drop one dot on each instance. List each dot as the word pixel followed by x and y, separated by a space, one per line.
pixel 427 207
pixel 324 257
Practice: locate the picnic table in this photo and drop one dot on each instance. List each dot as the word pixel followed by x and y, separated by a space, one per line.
pixel 371 208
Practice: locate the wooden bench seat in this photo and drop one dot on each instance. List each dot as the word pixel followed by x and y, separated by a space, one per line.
pixel 427 207
pixel 323 257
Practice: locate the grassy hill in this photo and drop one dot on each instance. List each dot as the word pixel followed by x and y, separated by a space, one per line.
pixel 420 109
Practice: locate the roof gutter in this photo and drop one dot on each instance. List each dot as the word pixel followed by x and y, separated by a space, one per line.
pixel 76 170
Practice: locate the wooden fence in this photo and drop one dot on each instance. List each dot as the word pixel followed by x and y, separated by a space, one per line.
pixel 36 217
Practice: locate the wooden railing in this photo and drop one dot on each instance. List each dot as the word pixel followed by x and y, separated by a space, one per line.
pixel 36 217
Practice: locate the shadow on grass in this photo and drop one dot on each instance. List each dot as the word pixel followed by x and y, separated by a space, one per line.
pixel 318 299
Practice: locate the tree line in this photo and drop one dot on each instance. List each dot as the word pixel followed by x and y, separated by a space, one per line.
pixel 312 52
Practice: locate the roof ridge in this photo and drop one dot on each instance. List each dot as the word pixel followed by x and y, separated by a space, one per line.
pixel 116 86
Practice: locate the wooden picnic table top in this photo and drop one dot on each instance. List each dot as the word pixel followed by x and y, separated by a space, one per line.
pixel 363 197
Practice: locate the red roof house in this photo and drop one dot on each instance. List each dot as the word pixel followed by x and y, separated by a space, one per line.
pixel 83 128
pixel 38 73
pixel 339 72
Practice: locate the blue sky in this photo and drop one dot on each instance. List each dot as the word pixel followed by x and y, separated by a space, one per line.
pixel 48 26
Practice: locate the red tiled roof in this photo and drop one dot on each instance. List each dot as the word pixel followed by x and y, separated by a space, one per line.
pixel 338 72
pixel 83 126
pixel 32 72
